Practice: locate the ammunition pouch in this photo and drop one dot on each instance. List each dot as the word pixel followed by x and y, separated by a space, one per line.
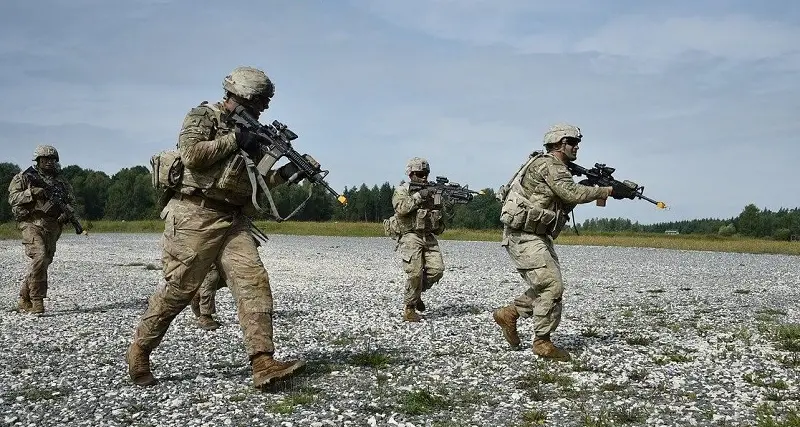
pixel 391 228
pixel 428 220
pixel 518 214
pixel 166 170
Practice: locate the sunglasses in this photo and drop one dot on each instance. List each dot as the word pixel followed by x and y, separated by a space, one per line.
pixel 572 141
pixel 420 174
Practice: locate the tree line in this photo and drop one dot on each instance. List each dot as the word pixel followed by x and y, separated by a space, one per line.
pixel 129 195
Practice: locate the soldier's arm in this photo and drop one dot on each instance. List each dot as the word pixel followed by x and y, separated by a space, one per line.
pixel 197 150
pixel 403 202
pixel 559 179
pixel 19 193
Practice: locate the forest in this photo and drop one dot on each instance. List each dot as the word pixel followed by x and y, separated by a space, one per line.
pixel 129 195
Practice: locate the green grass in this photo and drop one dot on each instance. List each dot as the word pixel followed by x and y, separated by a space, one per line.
pixel 422 401
pixel 366 229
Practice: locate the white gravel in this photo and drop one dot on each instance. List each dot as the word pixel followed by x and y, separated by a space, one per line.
pixel 660 338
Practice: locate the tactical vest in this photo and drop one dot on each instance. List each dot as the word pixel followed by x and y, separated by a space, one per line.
pixel 518 213
pixel 423 220
pixel 225 180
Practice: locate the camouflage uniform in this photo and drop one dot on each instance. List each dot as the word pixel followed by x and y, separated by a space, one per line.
pixel 40 222
pixel 206 223
pixel 204 301
pixel 418 222
pixel 547 190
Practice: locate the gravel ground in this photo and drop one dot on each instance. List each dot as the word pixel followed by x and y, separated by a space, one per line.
pixel 659 337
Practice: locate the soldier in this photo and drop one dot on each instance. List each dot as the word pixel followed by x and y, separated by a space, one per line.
pixel 535 208
pixel 419 220
pixel 204 304
pixel 40 219
pixel 206 223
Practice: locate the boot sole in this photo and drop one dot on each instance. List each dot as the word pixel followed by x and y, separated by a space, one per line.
pixel 280 376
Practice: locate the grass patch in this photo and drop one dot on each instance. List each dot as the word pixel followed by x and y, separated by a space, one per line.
pixel 771 312
pixel 34 394
pixel 371 358
pixel 639 340
pixel 422 401
pixel 533 418
pixel 590 332
pixel 291 402
pixel 788 336
pixel 766 417
pixel 364 229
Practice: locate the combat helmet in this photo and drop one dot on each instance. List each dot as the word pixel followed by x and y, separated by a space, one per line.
pixel 249 83
pixel 557 132
pixel 417 164
pixel 45 151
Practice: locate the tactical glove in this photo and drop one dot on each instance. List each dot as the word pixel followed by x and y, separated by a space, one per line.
pixel 63 218
pixel 244 138
pixel 621 191
pixel 426 192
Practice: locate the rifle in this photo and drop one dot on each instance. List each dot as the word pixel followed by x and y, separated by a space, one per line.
pixel 278 139
pixel 443 188
pixel 56 195
pixel 601 175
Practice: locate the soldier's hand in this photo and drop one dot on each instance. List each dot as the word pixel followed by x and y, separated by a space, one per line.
pixel 63 218
pixel 426 192
pixel 621 191
pixel 244 138
pixel 37 192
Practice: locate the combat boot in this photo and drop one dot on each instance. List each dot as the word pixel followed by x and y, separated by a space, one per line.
pixel 139 366
pixel 507 317
pixel 545 348
pixel 267 371
pixel 207 323
pixel 37 306
pixel 24 304
pixel 409 315
pixel 420 306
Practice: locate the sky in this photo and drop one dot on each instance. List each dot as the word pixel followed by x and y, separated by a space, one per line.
pixel 695 100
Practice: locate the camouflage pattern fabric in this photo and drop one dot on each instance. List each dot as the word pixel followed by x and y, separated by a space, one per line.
pixel 40 229
pixel 546 184
pixel 204 301
pixel 419 221
pixel 194 239
pixel 217 231
pixel 414 250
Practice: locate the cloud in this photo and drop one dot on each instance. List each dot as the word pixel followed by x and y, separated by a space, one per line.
pixel 695 101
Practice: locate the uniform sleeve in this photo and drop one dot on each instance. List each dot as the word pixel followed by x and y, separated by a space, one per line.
pixel 197 150
pixel 559 179
pixel 18 191
pixel 403 202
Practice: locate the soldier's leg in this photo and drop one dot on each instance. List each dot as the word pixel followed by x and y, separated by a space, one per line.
pixel 248 281
pixel 527 253
pixel 33 245
pixel 547 305
pixel 50 237
pixel 410 254
pixel 34 239
pixel 434 264
pixel 190 245
pixel 204 303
